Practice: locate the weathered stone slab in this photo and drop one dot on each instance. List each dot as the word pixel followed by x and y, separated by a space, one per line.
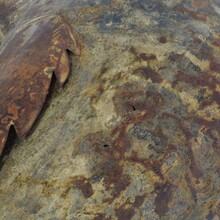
pixel 134 134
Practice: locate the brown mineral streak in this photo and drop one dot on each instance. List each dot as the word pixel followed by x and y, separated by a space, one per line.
pixel 27 64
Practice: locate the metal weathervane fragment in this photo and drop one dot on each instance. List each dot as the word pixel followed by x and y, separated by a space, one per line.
pixel 26 67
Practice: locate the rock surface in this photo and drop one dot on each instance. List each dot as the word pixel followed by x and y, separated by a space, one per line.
pixel 135 133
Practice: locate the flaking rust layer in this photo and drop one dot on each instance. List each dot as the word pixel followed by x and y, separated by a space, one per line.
pixel 27 64
pixel 135 132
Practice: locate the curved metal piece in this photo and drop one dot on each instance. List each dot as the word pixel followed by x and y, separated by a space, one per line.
pixel 26 67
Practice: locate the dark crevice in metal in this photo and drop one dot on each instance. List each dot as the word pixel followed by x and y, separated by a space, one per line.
pixel 53 87
pixel 12 138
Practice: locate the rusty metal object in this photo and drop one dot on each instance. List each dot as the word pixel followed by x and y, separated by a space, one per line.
pixel 27 65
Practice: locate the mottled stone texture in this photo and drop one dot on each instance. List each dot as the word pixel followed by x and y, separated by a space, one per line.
pixel 135 133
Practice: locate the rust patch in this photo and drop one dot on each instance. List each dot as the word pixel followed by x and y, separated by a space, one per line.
pixel 164 195
pixel 27 65
pixel 131 100
pixel 149 73
pixel 142 56
pixel 125 211
pixel 205 79
pixel 139 200
pixel 84 185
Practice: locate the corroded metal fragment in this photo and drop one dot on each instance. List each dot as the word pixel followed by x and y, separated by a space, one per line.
pixel 26 67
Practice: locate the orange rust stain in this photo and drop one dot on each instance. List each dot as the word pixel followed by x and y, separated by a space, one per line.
pixel 27 63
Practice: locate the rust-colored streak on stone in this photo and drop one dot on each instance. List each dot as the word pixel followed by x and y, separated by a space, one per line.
pixel 27 65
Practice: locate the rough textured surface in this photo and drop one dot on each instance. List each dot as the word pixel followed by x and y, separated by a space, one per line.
pixel 135 132
pixel 28 62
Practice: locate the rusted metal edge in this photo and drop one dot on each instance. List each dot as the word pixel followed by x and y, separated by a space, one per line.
pixel 27 64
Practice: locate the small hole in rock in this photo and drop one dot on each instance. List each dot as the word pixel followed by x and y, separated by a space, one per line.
pixel 133 107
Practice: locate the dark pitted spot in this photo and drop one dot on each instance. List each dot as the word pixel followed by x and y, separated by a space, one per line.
pixel 131 99
pixel 94 142
pixel 162 40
